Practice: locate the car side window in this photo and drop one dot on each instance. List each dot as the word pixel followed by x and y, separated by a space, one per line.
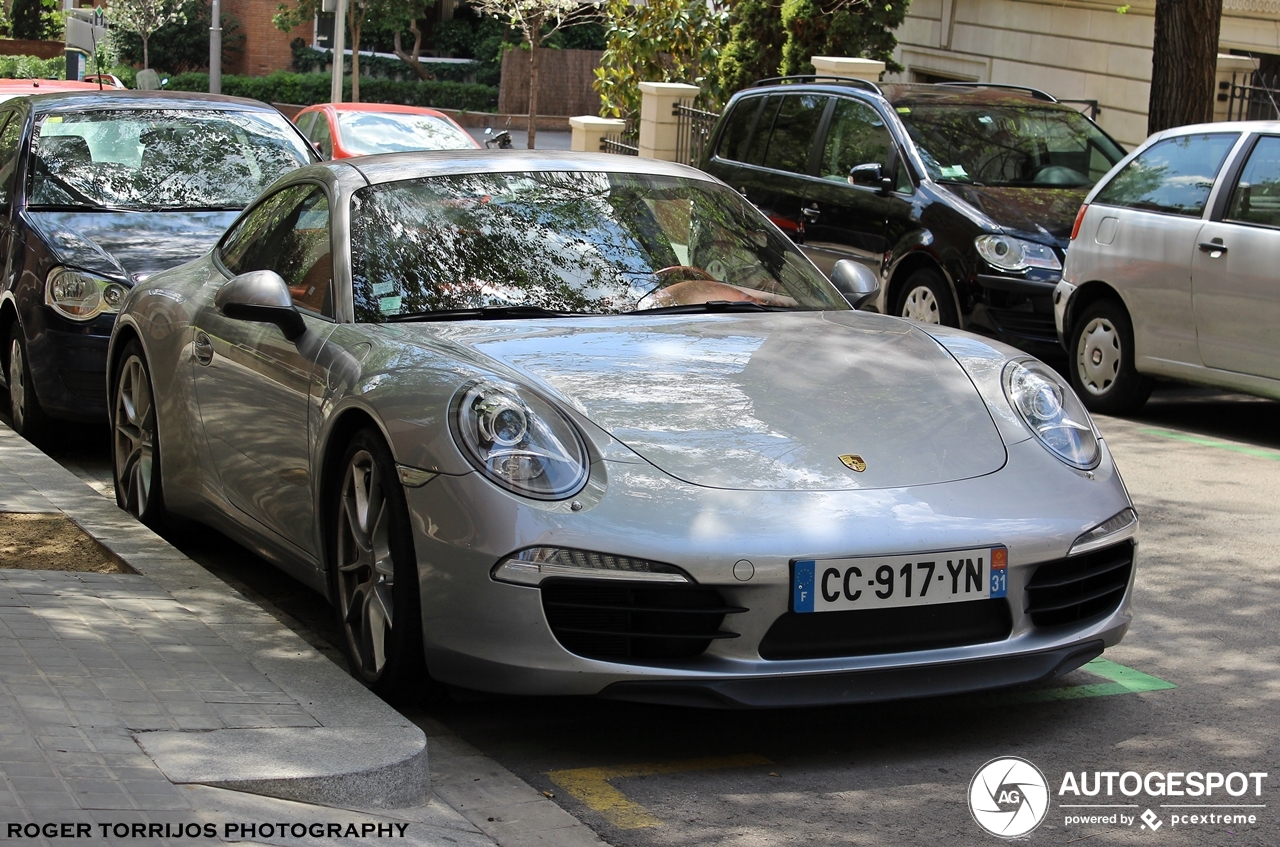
pixel 857 136
pixel 793 132
pixel 304 123
pixel 1173 176
pixel 10 136
pixel 320 136
pixel 1256 197
pixel 288 233
pixel 737 130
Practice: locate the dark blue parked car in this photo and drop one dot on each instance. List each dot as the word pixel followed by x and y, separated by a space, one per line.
pixel 99 190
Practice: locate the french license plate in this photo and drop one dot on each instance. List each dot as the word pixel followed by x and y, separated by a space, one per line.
pixel 883 582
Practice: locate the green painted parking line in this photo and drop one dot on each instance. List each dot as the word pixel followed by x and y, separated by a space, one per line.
pixel 1123 680
pixel 1259 452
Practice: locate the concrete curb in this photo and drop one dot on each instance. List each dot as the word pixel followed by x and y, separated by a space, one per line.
pixel 336 763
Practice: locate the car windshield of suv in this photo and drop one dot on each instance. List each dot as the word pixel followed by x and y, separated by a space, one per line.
pixel 1009 144
pixel 569 242
pixel 153 159
pixel 365 133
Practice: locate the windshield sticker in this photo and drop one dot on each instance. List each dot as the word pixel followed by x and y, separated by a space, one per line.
pixel 986 119
pixel 389 305
pixel 904 110
pixel 953 172
pixel 53 119
pixel 383 288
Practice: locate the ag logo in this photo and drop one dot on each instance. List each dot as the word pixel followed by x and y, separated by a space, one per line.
pixel 1008 797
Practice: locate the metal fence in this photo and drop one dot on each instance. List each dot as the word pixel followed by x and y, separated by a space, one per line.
pixel 1085 107
pixel 625 143
pixel 693 127
pixel 1253 97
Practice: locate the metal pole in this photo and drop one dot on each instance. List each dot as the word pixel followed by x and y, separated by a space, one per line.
pixel 215 48
pixel 339 47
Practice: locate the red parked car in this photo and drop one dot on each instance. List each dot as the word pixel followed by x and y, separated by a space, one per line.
pixel 341 130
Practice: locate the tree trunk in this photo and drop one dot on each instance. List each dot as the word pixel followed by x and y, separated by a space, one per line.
pixel 354 22
pixel 411 59
pixel 146 59
pixel 1184 59
pixel 535 41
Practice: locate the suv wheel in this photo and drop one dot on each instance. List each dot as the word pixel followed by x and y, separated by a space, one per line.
pixel 926 297
pixel 1102 367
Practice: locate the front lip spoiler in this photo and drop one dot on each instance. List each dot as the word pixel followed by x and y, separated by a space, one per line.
pixel 848 687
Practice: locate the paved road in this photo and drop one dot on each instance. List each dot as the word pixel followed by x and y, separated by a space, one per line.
pixel 1204 470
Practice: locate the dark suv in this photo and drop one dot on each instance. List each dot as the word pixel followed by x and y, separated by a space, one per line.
pixel 961 197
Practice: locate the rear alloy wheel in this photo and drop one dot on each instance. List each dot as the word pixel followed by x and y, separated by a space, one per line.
pixel 1103 371
pixel 24 407
pixel 375 573
pixel 134 445
pixel 926 298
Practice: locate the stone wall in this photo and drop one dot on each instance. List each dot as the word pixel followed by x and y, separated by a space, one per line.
pixel 40 49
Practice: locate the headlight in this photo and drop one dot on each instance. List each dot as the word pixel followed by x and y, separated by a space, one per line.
pixel 519 440
pixel 1014 254
pixel 1052 411
pixel 82 296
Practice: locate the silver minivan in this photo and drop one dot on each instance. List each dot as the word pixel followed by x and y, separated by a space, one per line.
pixel 1173 269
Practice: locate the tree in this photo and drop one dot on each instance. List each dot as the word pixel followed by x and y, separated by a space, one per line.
pixel 182 46
pixel 37 20
pixel 536 20
pixel 400 13
pixel 771 37
pixel 144 17
pixel 661 41
pixel 1184 62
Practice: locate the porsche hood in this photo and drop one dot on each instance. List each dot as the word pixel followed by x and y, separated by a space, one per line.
pixel 808 401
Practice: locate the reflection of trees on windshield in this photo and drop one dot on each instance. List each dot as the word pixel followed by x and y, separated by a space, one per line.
pixel 566 241
pixel 160 159
pixel 1009 144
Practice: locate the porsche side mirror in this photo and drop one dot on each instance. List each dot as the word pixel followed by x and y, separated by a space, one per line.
pixel 856 282
pixel 261 296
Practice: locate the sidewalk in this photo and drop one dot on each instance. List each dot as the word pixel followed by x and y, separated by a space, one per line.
pixel 166 708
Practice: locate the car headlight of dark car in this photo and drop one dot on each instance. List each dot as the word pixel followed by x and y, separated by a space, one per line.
pixel 1052 411
pixel 519 440
pixel 1007 253
pixel 82 296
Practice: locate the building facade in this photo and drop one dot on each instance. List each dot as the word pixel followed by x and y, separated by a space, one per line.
pixel 1073 49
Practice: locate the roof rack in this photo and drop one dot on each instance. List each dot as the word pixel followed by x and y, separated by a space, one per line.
pixel 1034 92
pixel 865 84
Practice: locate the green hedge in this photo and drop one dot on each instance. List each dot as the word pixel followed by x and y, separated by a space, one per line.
pixel 31 67
pixel 306 89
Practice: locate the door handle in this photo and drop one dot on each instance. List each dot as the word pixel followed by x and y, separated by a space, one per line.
pixel 811 213
pixel 203 348
pixel 1215 246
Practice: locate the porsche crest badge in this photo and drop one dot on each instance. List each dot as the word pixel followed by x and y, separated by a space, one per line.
pixel 854 463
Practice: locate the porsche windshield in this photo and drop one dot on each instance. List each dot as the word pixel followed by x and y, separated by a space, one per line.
pixel 571 242
pixel 158 159
pixel 1009 144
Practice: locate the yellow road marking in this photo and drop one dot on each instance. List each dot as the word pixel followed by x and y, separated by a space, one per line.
pixel 591 785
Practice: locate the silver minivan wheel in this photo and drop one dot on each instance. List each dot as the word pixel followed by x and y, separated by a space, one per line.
pixel 1098 356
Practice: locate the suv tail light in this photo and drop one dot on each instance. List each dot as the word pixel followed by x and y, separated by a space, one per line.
pixel 1075 227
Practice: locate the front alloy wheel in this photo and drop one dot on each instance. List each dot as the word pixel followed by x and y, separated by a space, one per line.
pixel 133 439
pixel 375 573
pixel 920 304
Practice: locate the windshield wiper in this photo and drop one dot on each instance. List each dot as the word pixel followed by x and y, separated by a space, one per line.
pixel 714 306
pixel 482 313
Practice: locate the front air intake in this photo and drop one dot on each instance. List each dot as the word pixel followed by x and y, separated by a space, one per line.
pixel 630 621
pixel 1080 587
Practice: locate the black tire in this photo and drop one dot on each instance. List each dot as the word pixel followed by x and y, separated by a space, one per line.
pixel 374 574
pixel 29 419
pixel 926 297
pixel 1101 353
pixel 135 443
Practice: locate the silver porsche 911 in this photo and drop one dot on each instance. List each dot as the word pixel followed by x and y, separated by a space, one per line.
pixel 546 424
